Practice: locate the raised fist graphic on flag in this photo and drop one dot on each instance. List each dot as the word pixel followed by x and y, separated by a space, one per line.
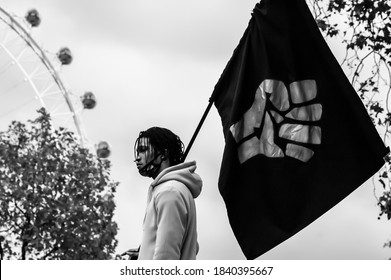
pixel 280 122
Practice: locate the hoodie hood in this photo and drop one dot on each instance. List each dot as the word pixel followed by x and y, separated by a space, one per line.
pixel 184 173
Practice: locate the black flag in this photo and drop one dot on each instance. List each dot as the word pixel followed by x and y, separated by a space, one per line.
pixel 298 138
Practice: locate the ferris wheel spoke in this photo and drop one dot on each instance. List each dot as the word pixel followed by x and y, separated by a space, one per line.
pixel 9 89
pixel 6 65
pixel 20 106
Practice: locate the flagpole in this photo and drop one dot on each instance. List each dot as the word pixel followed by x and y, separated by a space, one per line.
pixel 198 128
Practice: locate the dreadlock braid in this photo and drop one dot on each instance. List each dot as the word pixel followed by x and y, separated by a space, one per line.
pixel 164 141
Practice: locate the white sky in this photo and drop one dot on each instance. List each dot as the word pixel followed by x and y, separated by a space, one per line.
pixel 155 63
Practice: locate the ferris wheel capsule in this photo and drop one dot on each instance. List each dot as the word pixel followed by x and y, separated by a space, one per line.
pixel 89 100
pixel 33 17
pixel 29 78
pixel 65 56
pixel 103 149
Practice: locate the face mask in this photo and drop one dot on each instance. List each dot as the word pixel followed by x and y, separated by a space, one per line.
pixel 151 168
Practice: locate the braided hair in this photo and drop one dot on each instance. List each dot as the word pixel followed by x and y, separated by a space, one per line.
pixel 163 141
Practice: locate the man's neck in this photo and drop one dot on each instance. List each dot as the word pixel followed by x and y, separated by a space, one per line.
pixel 165 164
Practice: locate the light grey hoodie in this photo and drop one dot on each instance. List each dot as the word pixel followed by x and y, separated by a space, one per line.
pixel 170 226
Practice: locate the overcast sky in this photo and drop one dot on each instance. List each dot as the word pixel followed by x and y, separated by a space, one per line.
pixel 155 63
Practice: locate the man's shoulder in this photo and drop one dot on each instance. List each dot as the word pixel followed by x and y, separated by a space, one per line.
pixel 169 185
pixel 172 187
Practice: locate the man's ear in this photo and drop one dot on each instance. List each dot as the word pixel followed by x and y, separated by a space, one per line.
pixel 164 155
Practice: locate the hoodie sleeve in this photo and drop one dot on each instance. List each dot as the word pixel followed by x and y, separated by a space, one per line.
pixel 171 224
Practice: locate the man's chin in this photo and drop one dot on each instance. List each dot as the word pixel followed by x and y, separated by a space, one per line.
pixel 143 172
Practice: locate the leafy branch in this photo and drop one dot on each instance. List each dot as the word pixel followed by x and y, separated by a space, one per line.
pixel 363 28
pixel 56 196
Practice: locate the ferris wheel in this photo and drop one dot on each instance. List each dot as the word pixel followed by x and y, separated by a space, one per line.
pixel 29 78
